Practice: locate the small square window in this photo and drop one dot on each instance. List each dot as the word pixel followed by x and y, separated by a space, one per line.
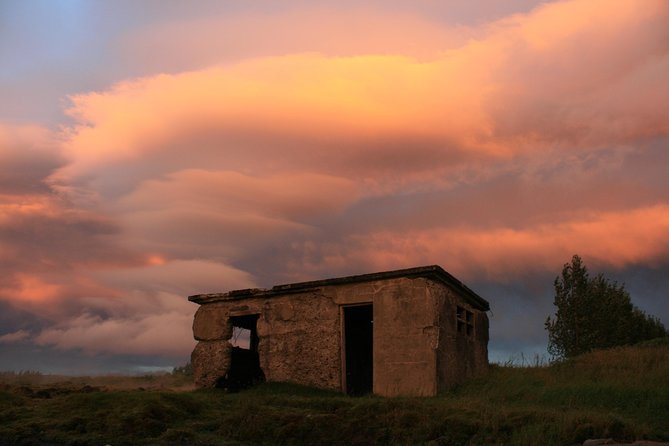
pixel 465 321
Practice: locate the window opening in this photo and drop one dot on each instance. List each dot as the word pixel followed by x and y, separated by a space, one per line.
pixel 465 321
pixel 241 337
pixel 244 370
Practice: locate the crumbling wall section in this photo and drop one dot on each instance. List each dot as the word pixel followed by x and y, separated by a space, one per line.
pixel 298 339
pixel 211 357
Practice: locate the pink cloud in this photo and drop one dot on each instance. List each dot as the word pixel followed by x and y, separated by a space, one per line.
pixel 16 336
pixel 616 239
pixel 159 333
pixel 570 73
pixel 179 277
pixel 288 195
pixel 150 314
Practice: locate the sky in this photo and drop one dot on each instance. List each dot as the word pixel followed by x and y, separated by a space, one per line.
pixel 151 150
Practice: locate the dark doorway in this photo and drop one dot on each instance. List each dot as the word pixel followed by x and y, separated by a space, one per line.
pixel 244 368
pixel 358 342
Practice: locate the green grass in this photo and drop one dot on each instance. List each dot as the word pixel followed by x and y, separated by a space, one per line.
pixel 621 393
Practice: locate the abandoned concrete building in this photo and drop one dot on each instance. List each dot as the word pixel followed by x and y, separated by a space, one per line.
pixel 413 332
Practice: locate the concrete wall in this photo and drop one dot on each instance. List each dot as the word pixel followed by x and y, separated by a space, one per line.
pixel 404 340
pixel 417 350
pixel 299 340
pixel 459 355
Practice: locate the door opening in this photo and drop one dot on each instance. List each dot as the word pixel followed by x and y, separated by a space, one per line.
pixel 244 370
pixel 358 344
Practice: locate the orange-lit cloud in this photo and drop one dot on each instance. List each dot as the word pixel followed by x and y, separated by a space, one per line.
pixel 532 83
pixel 33 289
pixel 294 111
pixel 614 239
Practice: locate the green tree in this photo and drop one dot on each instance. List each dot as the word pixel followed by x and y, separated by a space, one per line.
pixel 184 370
pixel 594 313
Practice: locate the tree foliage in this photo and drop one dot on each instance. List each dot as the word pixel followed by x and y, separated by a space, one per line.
pixel 594 313
pixel 184 370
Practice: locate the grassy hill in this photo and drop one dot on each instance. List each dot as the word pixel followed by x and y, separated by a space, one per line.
pixel 621 393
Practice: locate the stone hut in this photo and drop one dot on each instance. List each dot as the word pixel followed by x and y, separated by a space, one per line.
pixel 413 332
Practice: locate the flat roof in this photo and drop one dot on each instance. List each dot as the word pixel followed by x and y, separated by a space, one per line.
pixel 434 272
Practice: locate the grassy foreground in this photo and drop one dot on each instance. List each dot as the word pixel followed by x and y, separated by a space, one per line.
pixel 621 393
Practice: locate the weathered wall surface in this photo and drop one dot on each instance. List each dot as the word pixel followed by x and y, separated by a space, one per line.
pixel 404 339
pixel 459 355
pixel 299 340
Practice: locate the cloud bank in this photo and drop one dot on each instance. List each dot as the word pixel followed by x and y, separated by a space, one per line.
pixel 497 151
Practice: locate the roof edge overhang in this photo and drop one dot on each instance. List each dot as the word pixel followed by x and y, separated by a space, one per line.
pixel 433 272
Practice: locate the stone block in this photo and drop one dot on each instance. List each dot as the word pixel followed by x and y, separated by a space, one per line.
pixel 211 323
